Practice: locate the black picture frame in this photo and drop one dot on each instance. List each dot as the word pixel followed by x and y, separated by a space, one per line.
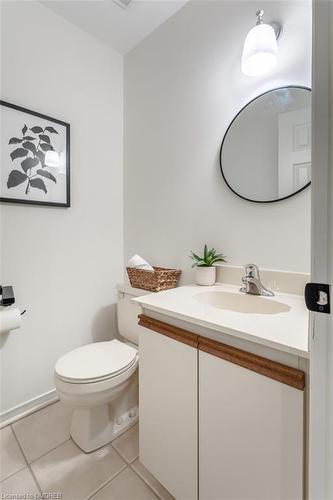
pixel 225 136
pixel 67 192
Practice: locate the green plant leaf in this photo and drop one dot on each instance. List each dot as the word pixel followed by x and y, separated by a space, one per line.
pixel 195 256
pixel 15 178
pixel 25 128
pixel 208 259
pixel 47 174
pixel 18 153
pixel 39 184
pixel 202 263
pixel 219 256
pixel 219 259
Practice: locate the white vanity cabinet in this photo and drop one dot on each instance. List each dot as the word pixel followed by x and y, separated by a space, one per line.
pixel 250 433
pixel 218 422
pixel 168 412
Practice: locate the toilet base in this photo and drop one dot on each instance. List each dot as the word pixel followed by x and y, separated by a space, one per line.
pixel 92 428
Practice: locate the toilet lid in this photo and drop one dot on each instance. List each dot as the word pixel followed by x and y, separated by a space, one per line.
pixel 97 361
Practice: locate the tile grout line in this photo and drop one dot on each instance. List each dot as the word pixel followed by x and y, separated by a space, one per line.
pixel 145 481
pixel 25 458
pixel 13 473
pixel 19 444
pixel 130 463
pixel 18 419
pixel 35 479
pixel 108 481
pixel 126 465
pixel 52 449
pixel 119 454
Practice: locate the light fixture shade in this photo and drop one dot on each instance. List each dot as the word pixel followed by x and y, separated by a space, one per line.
pixel 259 51
pixel 52 159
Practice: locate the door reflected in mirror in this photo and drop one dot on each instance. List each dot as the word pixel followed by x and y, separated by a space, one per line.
pixel 266 151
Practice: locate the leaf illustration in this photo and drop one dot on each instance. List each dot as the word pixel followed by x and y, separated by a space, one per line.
pixel 15 178
pixel 41 157
pixel 30 146
pixel 45 138
pixel 28 138
pixel 29 163
pixel 25 128
pixel 51 130
pixel 18 153
pixel 39 184
pixel 14 140
pixel 46 147
pixel 37 130
pixel 47 174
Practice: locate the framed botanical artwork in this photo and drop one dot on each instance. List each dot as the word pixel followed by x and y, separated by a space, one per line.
pixel 35 157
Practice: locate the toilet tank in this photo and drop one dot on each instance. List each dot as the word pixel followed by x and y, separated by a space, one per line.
pixel 127 311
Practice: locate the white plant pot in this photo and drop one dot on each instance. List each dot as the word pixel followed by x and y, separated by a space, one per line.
pixel 205 276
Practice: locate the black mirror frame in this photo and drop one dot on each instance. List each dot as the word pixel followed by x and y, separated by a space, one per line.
pixel 226 133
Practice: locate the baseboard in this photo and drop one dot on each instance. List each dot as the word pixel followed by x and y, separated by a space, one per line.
pixel 13 414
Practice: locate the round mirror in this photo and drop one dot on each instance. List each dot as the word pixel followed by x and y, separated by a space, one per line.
pixel 266 151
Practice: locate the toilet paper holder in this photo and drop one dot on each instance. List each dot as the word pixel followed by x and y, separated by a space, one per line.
pixel 7 297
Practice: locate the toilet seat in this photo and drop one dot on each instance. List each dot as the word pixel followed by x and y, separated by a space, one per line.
pixel 96 362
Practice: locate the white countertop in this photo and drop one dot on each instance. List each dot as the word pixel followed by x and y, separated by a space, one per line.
pixel 286 330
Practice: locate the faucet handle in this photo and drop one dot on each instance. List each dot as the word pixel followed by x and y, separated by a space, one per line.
pixel 252 271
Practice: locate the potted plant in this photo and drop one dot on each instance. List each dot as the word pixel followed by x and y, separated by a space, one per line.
pixel 205 268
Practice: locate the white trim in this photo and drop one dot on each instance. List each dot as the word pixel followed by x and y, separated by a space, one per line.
pixel 321 360
pixel 13 414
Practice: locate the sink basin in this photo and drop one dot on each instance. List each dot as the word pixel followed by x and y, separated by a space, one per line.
pixel 280 322
pixel 242 303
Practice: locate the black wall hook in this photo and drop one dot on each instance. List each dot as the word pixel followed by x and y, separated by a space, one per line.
pixel 7 296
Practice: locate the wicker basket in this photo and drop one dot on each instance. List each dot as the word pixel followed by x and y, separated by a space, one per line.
pixel 155 281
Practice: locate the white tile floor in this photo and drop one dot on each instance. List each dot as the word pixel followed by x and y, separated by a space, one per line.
pixel 38 456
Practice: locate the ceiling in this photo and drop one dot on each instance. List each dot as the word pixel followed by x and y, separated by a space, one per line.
pixel 119 28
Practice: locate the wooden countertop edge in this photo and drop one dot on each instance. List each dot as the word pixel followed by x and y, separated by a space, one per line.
pixel 271 369
pixel 266 367
pixel 171 331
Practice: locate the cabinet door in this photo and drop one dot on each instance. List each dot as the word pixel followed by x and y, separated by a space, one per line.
pixel 168 412
pixel 251 434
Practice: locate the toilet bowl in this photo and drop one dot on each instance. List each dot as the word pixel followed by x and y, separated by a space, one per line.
pixel 100 381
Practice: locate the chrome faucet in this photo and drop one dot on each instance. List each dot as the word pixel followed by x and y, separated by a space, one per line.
pixel 252 283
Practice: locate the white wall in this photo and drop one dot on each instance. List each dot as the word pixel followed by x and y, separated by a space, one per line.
pixel 63 263
pixel 183 85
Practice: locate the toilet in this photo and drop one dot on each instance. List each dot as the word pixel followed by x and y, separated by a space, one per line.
pixel 100 380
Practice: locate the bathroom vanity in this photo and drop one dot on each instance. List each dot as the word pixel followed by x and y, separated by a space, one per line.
pixel 222 384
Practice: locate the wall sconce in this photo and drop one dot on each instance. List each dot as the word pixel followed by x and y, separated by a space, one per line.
pixel 260 47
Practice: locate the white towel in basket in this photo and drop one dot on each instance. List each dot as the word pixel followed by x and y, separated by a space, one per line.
pixel 139 263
